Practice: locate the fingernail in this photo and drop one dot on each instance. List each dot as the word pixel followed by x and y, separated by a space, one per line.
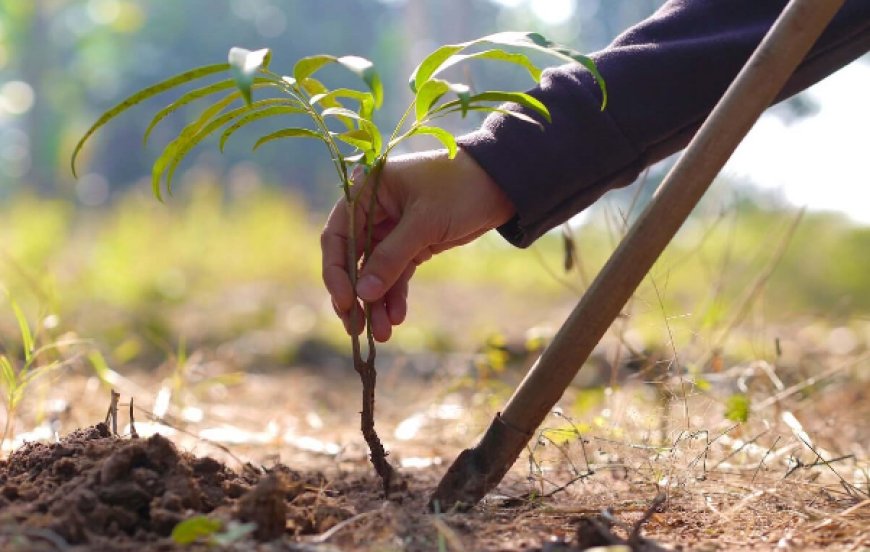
pixel 369 287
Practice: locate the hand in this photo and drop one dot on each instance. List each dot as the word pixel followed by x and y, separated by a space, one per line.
pixel 426 204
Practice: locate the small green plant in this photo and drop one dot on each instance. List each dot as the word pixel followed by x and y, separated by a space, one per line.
pixel 343 119
pixel 16 374
pixel 210 531
pixel 737 408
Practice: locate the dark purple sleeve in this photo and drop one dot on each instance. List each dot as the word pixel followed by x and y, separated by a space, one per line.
pixel 663 77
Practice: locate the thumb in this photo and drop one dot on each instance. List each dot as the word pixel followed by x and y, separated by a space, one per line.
pixel 390 258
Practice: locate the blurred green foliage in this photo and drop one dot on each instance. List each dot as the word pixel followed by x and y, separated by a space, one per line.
pixel 131 275
pixel 69 60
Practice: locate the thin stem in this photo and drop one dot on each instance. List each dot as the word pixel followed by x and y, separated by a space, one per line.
pixel 399 125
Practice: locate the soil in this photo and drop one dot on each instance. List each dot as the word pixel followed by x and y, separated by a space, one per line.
pixel 94 491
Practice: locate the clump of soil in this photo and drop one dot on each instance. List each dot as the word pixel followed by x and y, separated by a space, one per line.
pixel 103 492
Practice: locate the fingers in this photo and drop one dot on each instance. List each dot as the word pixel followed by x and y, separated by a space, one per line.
pixel 391 258
pixel 382 329
pixel 333 245
pixel 396 298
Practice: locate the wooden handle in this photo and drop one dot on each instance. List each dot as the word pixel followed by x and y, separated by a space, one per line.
pixel 751 92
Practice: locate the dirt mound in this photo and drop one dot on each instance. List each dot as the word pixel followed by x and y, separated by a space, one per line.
pixel 102 492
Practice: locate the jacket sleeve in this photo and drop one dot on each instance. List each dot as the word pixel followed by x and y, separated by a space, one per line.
pixel 663 77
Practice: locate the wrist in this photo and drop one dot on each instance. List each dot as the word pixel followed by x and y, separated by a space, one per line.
pixel 487 191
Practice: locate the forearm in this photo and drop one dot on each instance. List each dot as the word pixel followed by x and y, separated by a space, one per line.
pixel 663 78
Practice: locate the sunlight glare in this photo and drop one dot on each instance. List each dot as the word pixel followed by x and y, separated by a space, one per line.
pixel 553 12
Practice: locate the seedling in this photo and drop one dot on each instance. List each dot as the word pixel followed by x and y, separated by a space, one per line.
pixel 17 375
pixel 343 119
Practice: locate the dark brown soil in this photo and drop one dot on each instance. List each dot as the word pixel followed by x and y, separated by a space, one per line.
pixel 94 491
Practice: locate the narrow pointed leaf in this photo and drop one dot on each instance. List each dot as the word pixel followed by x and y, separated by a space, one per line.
pixel 531 41
pixel 194 95
pixel 313 86
pixel 365 70
pixel 141 96
pixel 365 124
pixel 354 159
pixel 190 142
pixel 431 63
pixel 359 138
pixel 442 135
pixel 317 89
pixel 255 116
pixel 496 55
pixel 307 66
pixel 244 66
pixel 521 98
pixel 361 67
pixel 325 98
pixel 288 133
pixel 208 122
pixel 341 112
pixel 489 109
pixel 7 372
pixel 24 328
pixel 427 95
pixel 185 99
pixel 463 92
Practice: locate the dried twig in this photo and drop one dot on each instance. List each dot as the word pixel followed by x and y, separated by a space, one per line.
pixel 763 458
pixel 133 433
pixel 112 414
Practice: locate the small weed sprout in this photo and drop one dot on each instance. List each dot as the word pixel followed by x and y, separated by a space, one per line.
pixel 16 374
pixel 342 119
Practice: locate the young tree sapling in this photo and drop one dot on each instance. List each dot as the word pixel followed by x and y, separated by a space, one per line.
pixel 342 118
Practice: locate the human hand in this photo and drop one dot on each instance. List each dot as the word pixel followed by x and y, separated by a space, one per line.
pixel 426 203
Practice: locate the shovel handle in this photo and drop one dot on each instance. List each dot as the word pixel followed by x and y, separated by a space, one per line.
pixel 752 91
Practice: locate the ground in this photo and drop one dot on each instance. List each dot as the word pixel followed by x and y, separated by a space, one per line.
pixel 719 411
pixel 300 475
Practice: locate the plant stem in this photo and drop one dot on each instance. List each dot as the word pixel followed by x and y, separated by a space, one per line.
pixel 366 367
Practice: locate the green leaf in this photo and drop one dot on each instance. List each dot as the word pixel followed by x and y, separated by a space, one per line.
pixel 194 133
pixel 428 94
pixel 317 89
pixel 244 66
pixel 185 99
pixel 442 135
pixel 521 98
pixel 365 70
pixel 463 92
pixel 430 64
pixel 194 95
pixel 495 55
pixel 7 373
pixel 329 99
pixel 255 116
pixel 489 109
pixel 366 124
pixel 288 133
pixel 436 61
pixel 737 408
pixel 26 337
pixel 325 97
pixel 354 159
pixel 195 528
pixel 359 138
pixel 361 67
pixel 141 96
pixel 307 66
pixel 235 531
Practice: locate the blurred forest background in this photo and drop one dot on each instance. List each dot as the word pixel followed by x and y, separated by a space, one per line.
pixel 231 264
